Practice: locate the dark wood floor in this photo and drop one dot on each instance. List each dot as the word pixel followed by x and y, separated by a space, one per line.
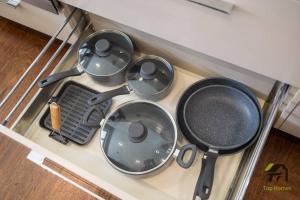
pixel 281 148
pixel 18 48
pixel 21 179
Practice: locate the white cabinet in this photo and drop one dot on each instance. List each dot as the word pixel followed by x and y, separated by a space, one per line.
pixel 289 120
pixel 292 125
pixel 35 18
pixel 259 35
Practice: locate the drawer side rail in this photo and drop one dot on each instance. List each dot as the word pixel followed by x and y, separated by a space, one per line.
pixel 47 65
pixel 251 156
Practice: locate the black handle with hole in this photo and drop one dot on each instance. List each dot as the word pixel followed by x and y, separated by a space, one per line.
pixel 206 177
pixel 59 76
pixel 183 150
pixel 86 118
pixel 99 98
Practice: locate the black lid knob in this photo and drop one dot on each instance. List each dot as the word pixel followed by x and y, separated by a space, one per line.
pixel 137 132
pixel 102 45
pixel 148 70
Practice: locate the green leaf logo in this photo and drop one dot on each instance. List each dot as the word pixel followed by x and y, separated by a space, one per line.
pixel 269 166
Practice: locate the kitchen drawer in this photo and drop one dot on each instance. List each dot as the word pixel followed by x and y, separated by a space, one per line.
pixel 249 37
pixel 292 125
pixel 289 120
pixel 232 172
pixel 296 112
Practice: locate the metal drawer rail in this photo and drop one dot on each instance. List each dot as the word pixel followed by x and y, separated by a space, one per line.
pixel 81 20
pixel 37 59
pixel 251 156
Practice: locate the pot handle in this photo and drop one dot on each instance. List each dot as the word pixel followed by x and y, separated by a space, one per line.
pixel 206 177
pixel 99 98
pixel 183 150
pixel 87 115
pixel 59 76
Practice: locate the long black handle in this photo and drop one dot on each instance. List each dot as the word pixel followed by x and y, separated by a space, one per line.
pixel 180 158
pixel 59 76
pixel 99 98
pixel 206 177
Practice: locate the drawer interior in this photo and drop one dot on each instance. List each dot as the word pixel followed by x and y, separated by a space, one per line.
pixel 172 182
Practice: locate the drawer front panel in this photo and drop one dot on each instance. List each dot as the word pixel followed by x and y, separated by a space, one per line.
pixel 35 18
pixel 88 161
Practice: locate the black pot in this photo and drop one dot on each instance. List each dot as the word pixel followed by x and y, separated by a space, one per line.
pixel 140 137
pixel 149 77
pixel 104 55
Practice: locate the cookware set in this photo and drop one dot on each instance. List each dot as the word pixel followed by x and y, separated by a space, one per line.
pixel 217 115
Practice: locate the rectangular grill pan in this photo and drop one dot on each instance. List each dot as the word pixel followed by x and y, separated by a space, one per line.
pixel 72 99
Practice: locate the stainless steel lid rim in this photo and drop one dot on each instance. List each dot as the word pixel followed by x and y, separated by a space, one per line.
pixel 125 36
pixel 166 88
pixel 165 160
pixel 103 61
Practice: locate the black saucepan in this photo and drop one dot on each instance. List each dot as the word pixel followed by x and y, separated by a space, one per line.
pixel 220 116
pixel 149 77
pixel 140 137
pixel 104 55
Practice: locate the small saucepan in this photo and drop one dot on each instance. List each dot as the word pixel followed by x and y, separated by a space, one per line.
pixel 104 56
pixel 140 137
pixel 150 77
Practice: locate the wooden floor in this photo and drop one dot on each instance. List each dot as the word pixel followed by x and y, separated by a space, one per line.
pixel 18 48
pixel 281 148
pixel 21 179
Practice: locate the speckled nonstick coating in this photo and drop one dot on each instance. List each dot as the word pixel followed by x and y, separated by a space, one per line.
pixel 220 114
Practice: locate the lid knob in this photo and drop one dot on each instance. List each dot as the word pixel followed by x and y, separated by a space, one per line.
pixel 137 132
pixel 148 70
pixel 102 45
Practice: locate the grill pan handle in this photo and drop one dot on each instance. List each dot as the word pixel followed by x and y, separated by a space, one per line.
pixel 206 177
pixel 87 116
pixel 99 98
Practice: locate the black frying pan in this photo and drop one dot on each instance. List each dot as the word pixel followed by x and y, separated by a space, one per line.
pixel 220 116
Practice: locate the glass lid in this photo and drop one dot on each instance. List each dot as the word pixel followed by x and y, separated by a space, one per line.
pixel 150 75
pixel 105 53
pixel 138 137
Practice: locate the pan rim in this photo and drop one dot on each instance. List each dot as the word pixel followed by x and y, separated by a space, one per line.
pixel 203 145
pixel 174 145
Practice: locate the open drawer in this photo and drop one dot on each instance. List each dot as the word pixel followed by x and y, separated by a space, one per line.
pixel 232 173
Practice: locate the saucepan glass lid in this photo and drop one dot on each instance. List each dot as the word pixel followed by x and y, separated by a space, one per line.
pixel 150 75
pixel 138 137
pixel 105 53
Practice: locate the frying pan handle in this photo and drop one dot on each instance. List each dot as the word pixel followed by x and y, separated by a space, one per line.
pixel 179 159
pixel 99 98
pixel 206 177
pixel 86 117
pixel 59 76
